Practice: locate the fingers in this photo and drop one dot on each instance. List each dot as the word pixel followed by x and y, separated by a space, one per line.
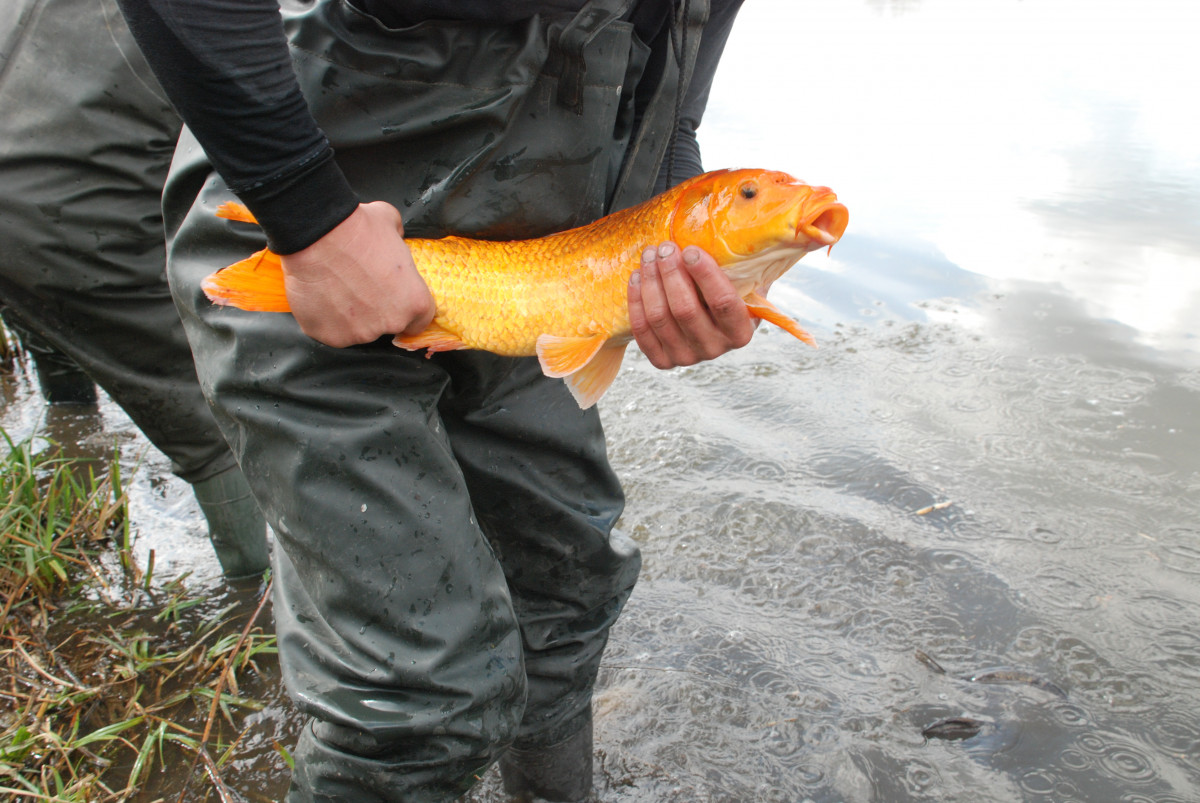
pixel 420 307
pixel 655 330
pixel 358 282
pixel 389 213
pixel 683 309
pixel 399 302
pixel 727 311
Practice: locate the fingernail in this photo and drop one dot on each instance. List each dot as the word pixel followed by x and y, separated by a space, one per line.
pixel 666 249
pixel 635 278
pixel 691 255
pixel 649 255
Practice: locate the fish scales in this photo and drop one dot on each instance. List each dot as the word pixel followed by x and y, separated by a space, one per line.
pixel 563 297
pixel 501 296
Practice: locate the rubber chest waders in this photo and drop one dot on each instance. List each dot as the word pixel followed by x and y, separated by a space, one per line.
pixel 447 571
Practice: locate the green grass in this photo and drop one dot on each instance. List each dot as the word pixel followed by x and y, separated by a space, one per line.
pixel 107 674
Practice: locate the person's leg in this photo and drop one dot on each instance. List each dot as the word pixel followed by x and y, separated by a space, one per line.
pixel 397 628
pixel 59 378
pixel 547 498
pixel 395 624
pixel 86 139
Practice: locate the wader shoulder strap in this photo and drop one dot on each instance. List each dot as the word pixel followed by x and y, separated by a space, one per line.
pixel 649 143
pixel 575 38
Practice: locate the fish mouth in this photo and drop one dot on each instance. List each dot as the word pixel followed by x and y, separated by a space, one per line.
pixel 822 220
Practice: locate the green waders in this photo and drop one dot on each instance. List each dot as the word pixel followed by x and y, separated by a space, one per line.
pixel 446 567
pixel 86 138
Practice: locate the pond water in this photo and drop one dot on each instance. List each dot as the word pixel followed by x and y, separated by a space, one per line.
pixel 1009 334
pixel 1009 331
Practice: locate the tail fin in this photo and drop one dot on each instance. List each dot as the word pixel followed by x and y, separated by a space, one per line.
pixel 759 307
pixel 255 284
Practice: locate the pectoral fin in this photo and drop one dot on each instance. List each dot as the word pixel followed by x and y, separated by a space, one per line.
pixel 433 337
pixel 759 307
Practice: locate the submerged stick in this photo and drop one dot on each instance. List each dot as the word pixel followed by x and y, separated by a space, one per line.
pixel 201 749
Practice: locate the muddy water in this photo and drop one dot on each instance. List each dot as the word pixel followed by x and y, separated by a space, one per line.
pixel 1008 334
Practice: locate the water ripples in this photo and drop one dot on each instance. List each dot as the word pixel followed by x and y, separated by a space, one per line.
pixel 1121 759
pixel 1180 549
pixel 1178 733
pixel 789 580
pixel 1011 447
pixel 1041 784
pixel 1177 653
pixel 920 778
pixel 1070 715
pixel 1128 764
pixel 1058 587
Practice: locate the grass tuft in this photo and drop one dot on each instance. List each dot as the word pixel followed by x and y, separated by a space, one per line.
pixel 106 674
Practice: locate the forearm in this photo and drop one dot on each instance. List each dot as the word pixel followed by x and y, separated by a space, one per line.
pixel 225 66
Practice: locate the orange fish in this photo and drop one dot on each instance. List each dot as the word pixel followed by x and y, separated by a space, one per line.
pixel 563 297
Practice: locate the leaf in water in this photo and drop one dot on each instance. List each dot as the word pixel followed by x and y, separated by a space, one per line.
pixel 953 728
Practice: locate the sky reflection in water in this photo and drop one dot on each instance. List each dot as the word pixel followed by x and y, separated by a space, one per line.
pixel 1051 141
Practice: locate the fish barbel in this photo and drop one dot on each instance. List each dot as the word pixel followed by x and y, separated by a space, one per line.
pixel 564 297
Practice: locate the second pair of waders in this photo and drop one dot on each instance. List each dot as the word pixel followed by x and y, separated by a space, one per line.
pixel 86 137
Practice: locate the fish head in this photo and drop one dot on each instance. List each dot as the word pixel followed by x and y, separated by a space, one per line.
pixel 756 223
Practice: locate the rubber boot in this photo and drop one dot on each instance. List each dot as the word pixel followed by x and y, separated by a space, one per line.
pixel 557 773
pixel 60 379
pixel 64 384
pixel 235 524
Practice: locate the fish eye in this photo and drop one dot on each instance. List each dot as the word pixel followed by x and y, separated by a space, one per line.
pixel 748 190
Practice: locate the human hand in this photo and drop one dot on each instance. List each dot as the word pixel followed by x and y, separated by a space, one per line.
pixel 683 309
pixel 358 282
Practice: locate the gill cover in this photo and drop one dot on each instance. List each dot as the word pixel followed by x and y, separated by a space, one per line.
pixel 736 214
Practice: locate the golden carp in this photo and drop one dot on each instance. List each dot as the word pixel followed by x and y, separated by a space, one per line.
pixel 563 297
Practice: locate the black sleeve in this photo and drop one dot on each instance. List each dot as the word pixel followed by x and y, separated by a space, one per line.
pixel 684 161
pixel 225 66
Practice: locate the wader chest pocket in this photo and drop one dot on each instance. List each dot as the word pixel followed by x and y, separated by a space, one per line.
pixel 480 130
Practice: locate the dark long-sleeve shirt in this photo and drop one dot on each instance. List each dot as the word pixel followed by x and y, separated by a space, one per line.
pixel 226 67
